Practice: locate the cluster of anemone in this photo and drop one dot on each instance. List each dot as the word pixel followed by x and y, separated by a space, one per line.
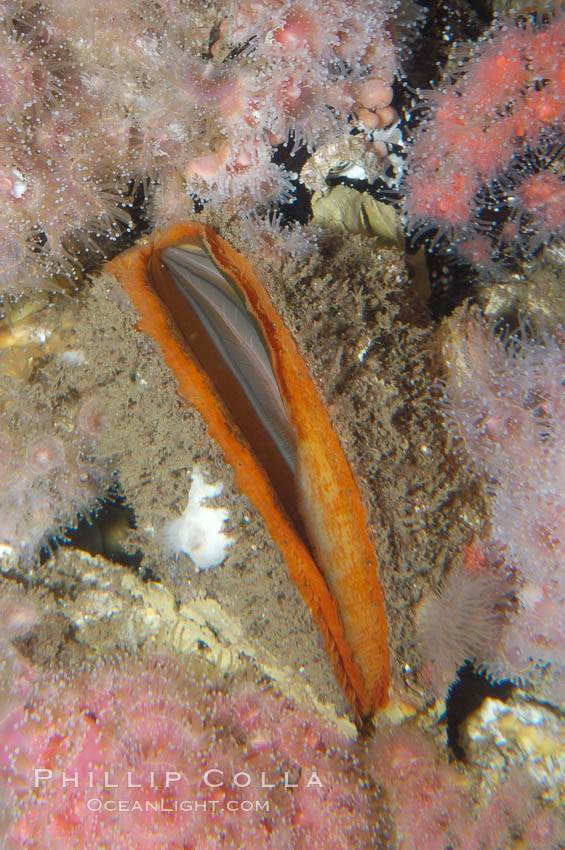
pixel 186 99
pixel 486 167
pixel 50 471
pixel 146 754
pixel 504 608
pixel 430 802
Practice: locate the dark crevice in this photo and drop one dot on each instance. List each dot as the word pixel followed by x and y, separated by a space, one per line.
pixel 465 697
pixel 101 532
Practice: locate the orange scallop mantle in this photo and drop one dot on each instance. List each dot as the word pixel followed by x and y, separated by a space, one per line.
pixel 340 582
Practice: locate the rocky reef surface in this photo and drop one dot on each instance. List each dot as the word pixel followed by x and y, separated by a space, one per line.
pixel 452 425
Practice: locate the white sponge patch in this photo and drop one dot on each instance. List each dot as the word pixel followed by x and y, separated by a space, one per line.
pixel 198 531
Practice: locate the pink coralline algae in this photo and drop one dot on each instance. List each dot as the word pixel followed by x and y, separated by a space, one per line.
pixel 184 98
pixel 506 401
pixel 147 756
pixel 486 168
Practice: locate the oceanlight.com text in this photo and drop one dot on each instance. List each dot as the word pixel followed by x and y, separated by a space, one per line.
pixel 96 804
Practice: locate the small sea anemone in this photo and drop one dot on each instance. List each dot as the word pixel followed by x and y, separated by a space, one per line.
pixel 17 615
pixel 536 189
pixel 274 243
pixel 51 473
